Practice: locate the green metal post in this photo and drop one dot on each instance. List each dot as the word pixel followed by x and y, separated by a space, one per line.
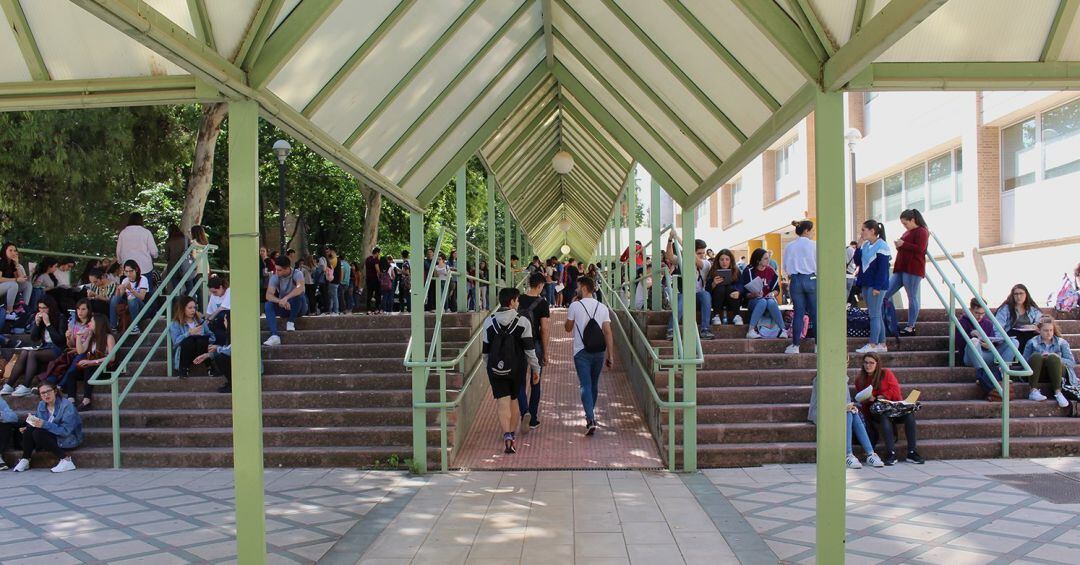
pixel 689 339
pixel 168 343
pixel 507 274
pixel 617 250
pixel 419 346
pixel 631 265
pixel 657 250
pixel 517 245
pixel 246 350
pixel 460 245
pixel 832 326
pixel 491 238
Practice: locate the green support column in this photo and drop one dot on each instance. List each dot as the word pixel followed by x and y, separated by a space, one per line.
pixel 689 338
pixel 616 251
pixel 657 250
pixel 419 346
pixel 460 244
pixel 631 221
pixel 492 291
pixel 517 245
pixel 831 326
pixel 247 381
pixel 508 276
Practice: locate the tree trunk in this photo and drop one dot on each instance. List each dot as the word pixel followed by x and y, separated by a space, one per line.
pixel 373 201
pixel 202 169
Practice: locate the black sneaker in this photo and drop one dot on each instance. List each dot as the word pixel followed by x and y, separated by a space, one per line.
pixel 906 331
pixel 669 334
pixel 534 424
pixel 707 334
pixel 890 459
pixel 590 428
pixel 914 457
pixel 509 447
pixel 225 388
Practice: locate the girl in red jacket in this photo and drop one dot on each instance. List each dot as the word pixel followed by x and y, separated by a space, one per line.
pixel 909 270
pixel 885 386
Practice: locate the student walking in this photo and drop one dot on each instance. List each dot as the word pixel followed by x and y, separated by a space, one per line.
pixel 590 323
pixel 509 351
pixel 535 308
pixel 910 268
pixel 800 263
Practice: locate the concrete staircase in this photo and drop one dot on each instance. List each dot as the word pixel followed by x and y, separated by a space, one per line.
pixel 753 399
pixel 335 393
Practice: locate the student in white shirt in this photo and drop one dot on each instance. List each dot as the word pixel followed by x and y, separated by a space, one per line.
pixel 800 264
pixel 217 308
pixel 592 351
pixel 134 289
pixel 136 243
pixel 704 298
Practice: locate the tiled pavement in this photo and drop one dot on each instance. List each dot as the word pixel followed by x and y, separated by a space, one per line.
pixel 943 512
pixel 623 441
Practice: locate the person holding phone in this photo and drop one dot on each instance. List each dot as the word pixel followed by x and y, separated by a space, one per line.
pixel 800 263
pixel 1019 315
pixel 722 284
pixel 133 289
pixel 54 427
pixel 983 348
pixel 48 334
pixel 190 334
pixel 1049 355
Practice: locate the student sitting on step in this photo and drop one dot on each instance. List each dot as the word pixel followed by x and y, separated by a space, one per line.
pixel 1050 355
pixel 48 335
pixel 884 385
pixel 1018 315
pixel 55 427
pixel 284 298
pixel 190 335
pixel 760 285
pixel 220 358
pixel 855 425
pixel 218 307
pixel 722 282
pixel 9 425
pixel 92 346
pixel 983 348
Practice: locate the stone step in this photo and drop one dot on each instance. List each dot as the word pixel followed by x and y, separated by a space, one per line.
pixel 368 381
pixel 786 432
pixel 336 365
pixel 744 346
pixel 207 457
pixel 313 437
pixel 656 332
pixel 357 350
pixel 272 417
pixel 766 377
pixel 925 315
pixel 951 409
pixel 791 394
pixel 750 455
pixel 363 335
pixel 300 400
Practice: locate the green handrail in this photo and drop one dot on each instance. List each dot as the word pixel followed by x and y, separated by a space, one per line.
pixel 200 254
pixel 950 306
pixel 47 253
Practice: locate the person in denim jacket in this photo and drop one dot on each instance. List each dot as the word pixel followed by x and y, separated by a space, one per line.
pixel 55 427
pixel 1049 354
pixel 190 334
pixel 1019 314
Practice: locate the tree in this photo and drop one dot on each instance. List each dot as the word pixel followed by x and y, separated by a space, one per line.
pixel 202 168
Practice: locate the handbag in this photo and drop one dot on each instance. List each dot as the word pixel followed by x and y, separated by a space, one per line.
pixel 894 409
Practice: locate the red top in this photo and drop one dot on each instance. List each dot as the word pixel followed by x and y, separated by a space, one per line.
pixel 889 389
pixel 911 256
pixel 640 259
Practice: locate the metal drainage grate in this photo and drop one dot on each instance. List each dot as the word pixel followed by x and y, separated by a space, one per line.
pixel 1055 488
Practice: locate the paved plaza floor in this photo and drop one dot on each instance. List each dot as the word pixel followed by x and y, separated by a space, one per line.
pixel 955 512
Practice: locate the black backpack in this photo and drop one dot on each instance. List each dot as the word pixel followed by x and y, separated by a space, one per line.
pixel 505 350
pixel 593 336
pixel 530 315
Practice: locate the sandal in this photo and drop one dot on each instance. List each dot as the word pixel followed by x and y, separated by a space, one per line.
pixel 86 404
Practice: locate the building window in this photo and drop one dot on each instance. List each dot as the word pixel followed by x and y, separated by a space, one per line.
pixel 785 180
pixel 1061 144
pixel 958 166
pixel 1041 147
pixel 1019 156
pixel 700 212
pixel 734 200
pixel 925 186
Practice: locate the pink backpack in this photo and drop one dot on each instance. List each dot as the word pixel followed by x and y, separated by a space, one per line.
pixel 1067 297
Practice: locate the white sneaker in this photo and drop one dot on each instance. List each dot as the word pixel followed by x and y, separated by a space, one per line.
pixel 874 461
pixel 792 349
pixel 1037 395
pixel 6 390
pixel 1061 400
pixel 752 334
pixel 868 348
pixel 716 321
pixel 784 334
pixel 65 464
pixel 22 465
pixel 853 462
pixel 11 317
pixel 272 341
pixel 881 348
pixel 21 390
pixel 290 327
pixel 738 320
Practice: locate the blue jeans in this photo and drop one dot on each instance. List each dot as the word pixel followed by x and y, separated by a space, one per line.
pixel 855 424
pixel 134 305
pixel 530 403
pixel 971 359
pixel 297 307
pixel 758 306
pixel 335 302
pixel 877 323
pixel 549 293
pixel 704 302
pixel 388 301
pixel 911 285
pixel 804 295
pixel 588 367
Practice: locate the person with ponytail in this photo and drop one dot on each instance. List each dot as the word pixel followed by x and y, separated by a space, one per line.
pixel 800 263
pixel 872 260
pixel 910 268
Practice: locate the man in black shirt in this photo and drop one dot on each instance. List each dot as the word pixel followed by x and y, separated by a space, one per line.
pixel 572 274
pixel 536 309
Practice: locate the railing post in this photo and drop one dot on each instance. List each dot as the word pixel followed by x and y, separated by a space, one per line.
pixel 419 349
pixel 616 250
pixel 952 326
pixel 631 215
pixel 689 339
pixel 168 342
pixel 508 274
pixel 657 250
pixel 492 268
pixel 460 245
pixel 115 409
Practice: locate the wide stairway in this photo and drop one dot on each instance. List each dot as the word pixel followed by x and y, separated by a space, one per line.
pixel 335 393
pixel 753 399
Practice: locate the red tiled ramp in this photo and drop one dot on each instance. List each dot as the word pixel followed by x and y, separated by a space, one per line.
pixel 622 441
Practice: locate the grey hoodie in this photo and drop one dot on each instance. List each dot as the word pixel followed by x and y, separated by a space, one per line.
pixel 505 317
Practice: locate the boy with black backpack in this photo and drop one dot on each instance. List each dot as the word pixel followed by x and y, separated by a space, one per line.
pixel 509 351
pixel 590 323
pixel 534 308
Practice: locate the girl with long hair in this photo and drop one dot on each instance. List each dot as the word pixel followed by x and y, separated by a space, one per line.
pixel 1050 356
pixel 190 334
pixel 94 344
pixel 722 282
pixel 872 259
pixel 910 267
pixel 885 386
pixel 13 279
pixel 48 334
pixel 134 289
pixel 800 264
pixel 1019 315
pixel 760 267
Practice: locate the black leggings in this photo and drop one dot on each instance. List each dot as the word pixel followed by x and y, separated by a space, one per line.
pixel 192 347
pixel 723 303
pixel 29 364
pixel 37 439
pixel 8 434
pixel 372 294
pixel 886 425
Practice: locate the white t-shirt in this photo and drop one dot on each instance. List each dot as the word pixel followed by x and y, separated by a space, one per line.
pixel 704 270
pixel 223 302
pixel 580 312
pixel 142 286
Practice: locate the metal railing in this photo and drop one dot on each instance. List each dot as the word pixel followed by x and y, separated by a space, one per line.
pixel 157 307
pixel 84 257
pixel 1007 372
pixel 655 362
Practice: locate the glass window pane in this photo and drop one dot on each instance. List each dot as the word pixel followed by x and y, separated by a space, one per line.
pixel 1061 144
pixel 941 181
pixel 958 167
pixel 877 203
pixel 894 197
pixel 915 187
pixel 1019 160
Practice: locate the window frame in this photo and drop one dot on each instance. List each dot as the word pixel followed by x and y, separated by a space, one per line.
pixel 1039 146
pixel 878 185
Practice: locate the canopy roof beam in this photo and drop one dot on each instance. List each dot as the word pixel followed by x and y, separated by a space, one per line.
pixel 283 43
pixel 1059 30
pixel 785 34
pixel 103 92
pixel 816 36
pixel 20 28
pixel 200 19
pixel 968 76
pixel 549 40
pixel 893 22
pixel 255 36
